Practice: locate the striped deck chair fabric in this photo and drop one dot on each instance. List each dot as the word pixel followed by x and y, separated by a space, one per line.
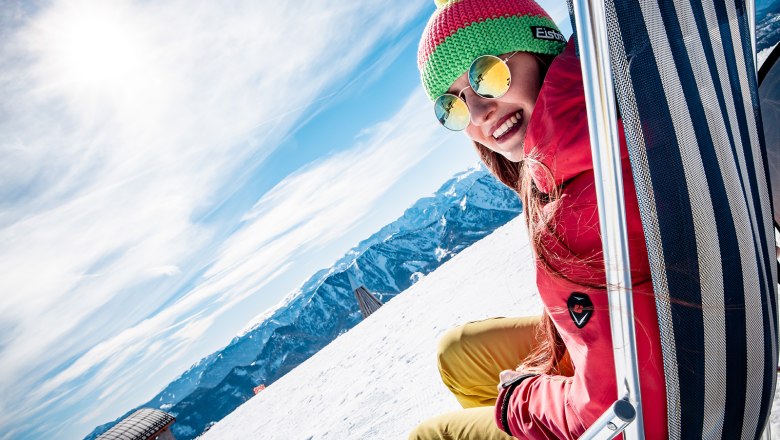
pixel 687 94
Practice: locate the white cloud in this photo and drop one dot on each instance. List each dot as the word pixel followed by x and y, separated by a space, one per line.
pixel 123 119
pixel 305 211
pixel 316 205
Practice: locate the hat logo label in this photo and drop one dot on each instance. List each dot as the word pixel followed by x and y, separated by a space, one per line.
pixel 546 33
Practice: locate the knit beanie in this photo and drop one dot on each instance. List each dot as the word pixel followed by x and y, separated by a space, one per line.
pixel 461 30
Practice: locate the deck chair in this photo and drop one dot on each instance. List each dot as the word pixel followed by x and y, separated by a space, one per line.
pixel 684 77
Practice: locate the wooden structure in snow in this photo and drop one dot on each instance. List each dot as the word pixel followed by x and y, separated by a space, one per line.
pixel 368 303
pixel 144 424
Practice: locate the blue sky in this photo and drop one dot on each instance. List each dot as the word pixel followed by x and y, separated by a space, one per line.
pixel 172 170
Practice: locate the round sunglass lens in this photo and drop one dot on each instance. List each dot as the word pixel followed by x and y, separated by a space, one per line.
pixel 489 76
pixel 452 112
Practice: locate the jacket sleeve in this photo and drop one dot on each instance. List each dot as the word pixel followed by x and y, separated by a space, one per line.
pixel 539 408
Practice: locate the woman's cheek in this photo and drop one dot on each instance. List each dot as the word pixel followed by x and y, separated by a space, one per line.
pixel 473 134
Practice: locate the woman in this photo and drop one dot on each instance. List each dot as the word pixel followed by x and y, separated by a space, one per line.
pixel 556 372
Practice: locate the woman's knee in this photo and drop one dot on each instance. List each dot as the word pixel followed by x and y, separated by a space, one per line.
pixel 450 344
pixel 484 347
pixel 469 339
pixel 463 354
pixel 452 353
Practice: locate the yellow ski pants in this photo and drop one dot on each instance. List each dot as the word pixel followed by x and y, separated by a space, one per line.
pixel 470 358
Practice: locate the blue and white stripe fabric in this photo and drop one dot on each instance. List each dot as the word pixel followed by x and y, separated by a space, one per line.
pixel 687 91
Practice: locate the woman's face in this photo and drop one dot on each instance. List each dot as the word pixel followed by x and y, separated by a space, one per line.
pixel 491 117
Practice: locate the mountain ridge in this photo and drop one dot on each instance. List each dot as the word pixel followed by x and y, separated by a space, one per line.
pixel 433 230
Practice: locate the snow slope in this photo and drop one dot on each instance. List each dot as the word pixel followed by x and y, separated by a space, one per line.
pixel 379 380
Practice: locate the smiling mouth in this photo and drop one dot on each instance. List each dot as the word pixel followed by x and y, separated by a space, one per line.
pixel 507 127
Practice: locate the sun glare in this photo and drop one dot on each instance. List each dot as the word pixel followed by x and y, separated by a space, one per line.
pixel 94 47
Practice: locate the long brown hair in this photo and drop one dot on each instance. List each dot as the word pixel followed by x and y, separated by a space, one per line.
pixel 550 349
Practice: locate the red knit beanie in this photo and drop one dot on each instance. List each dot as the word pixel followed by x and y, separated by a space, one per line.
pixel 461 30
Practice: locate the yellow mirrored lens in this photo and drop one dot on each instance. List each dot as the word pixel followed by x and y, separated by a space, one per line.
pixel 452 112
pixel 489 76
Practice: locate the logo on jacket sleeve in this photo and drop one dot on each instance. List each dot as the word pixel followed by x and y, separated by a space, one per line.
pixel 580 308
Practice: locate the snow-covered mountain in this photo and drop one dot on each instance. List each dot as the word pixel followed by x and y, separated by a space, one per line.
pixel 379 380
pixel 465 209
pixel 768 26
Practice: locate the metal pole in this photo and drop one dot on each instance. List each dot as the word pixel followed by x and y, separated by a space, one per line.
pixel 750 9
pixel 590 22
pixel 614 421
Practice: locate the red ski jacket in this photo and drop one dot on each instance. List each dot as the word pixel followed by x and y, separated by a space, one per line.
pixel 558 407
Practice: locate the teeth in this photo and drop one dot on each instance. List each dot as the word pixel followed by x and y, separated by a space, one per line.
pixel 509 123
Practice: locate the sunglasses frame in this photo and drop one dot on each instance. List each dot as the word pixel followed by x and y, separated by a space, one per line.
pixel 463 101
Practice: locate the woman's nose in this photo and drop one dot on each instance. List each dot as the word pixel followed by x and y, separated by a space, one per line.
pixel 481 109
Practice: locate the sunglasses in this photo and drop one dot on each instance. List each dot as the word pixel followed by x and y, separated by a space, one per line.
pixel 489 78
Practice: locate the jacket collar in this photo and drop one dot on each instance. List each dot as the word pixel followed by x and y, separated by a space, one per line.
pixel 557 134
